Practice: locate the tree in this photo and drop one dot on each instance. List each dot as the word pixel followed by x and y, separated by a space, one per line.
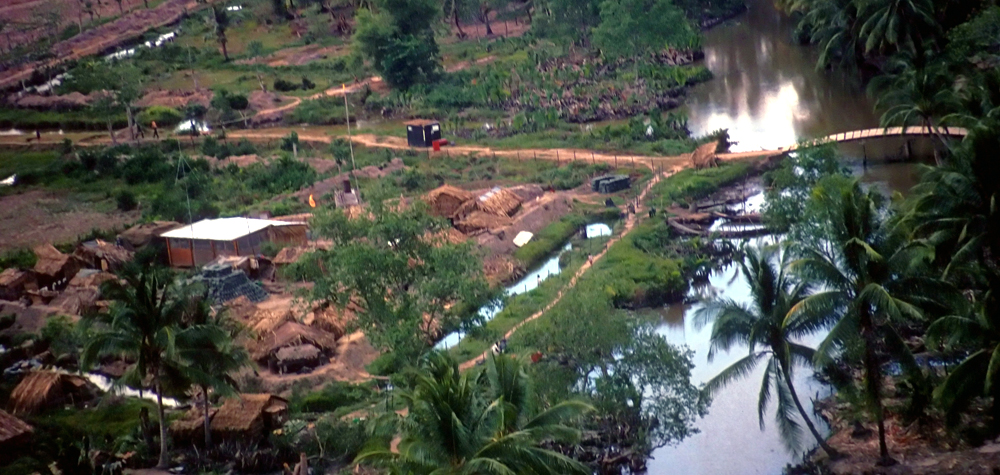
pixel 569 21
pixel 121 10
pixel 916 95
pixel 873 285
pixel 889 26
pixel 399 41
pixel 635 27
pixel 255 50
pixel 761 326
pixel 458 425
pixel 408 284
pixel 219 24
pixel 140 325
pixel 208 355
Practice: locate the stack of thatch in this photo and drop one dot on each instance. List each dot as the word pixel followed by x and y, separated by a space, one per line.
pixel 45 389
pixel 264 322
pixel 705 157
pixel 14 435
pixel 481 221
pixel 292 334
pixel 446 200
pixel 498 202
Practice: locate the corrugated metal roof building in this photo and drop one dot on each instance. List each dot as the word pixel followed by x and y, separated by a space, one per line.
pixel 200 243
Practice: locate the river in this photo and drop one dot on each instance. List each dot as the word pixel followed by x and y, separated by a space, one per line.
pixel 769 94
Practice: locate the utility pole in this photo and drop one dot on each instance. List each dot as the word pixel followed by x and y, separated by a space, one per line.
pixel 350 143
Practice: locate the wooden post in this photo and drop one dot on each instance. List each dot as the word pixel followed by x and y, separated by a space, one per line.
pixel 536 156
pixel 909 150
pixel 574 155
pixel 557 157
pixel 616 161
pixel 519 155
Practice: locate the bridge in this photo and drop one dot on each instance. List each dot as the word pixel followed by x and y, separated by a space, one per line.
pixel 857 136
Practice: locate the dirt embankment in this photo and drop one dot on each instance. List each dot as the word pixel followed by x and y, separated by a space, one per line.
pixel 36 216
pixel 25 12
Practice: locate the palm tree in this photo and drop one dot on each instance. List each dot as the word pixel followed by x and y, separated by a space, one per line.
pixel 895 25
pixel 208 355
pixel 916 95
pixel 455 426
pixel 140 325
pixel 220 23
pixel 761 325
pixel 868 269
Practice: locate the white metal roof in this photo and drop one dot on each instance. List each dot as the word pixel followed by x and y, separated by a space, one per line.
pixel 223 229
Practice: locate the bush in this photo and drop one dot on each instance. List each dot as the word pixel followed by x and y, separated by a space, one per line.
pixel 126 200
pixel 162 115
pixel 20 258
pixel 332 397
pixel 285 86
pixel 307 84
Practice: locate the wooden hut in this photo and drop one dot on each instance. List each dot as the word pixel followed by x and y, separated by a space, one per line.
pixel 446 200
pixel 202 242
pixel 190 428
pixel 54 268
pixel 248 417
pixel 291 359
pixel 41 390
pixel 15 435
pixel 291 334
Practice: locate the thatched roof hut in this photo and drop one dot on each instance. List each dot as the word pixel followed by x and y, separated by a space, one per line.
pixel 478 222
pixel 103 255
pixel 292 334
pixel 45 389
pixel 14 434
pixel 190 428
pixel 53 266
pixel 293 358
pixel 248 416
pixel 705 157
pixel 13 283
pixel 264 322
pixel 77 300
pixel 141 235
pixel 90 278
pixel 446 200
pixel 498 202
pixel 289 255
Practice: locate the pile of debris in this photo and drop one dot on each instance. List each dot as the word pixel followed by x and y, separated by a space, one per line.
pixel 226 283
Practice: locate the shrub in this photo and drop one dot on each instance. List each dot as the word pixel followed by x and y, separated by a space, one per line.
pixel 285 86
pixel 126 200
pixel 20 258
pixel 332 397
pixel 307 84
pixel 162 115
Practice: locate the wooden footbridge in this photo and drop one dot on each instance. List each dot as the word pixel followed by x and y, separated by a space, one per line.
pixel 859 135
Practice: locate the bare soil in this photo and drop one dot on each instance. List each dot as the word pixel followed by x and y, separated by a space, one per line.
pixel 535 214
pixel 300 55
pixel 37 217
pixel 71 11
pixel 176 99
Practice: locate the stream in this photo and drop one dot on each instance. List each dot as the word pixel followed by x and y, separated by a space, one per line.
pixel 525 284
pixel 768 93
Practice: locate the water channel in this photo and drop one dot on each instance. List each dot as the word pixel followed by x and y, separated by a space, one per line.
pixel 769 94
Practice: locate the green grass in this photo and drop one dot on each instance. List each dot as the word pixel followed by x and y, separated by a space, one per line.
pixel 690 184
pixel 21 162
pixel 115 419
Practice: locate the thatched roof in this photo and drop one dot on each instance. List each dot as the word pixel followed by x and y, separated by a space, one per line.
pixel 480 221
pixel 294 218
pixel 77 300
pixel 14 277
pixel 292 334
pixel 704 156
pixel 446 200
pixel 290 255
pixel 90 278
pixel 12 428
pixel 142 234
pixel 51 262
pixel 498 202
pixel 191 426
pixel 41 389
pixel 264 321
pixel 332 319
pixel 298 354
pixel 244 413
pixel 94 252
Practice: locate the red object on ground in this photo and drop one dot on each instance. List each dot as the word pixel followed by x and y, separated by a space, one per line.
pixel 437 144
pixel 536 356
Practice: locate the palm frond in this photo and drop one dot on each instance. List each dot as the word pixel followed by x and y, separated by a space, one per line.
pixel 739 369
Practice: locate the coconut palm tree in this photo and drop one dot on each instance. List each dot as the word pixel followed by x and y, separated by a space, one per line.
pixel 140 325
pixel 916 95
pixel 895 25
pixel 208 355
pixel 219 24
pixel 761 326
pixel 456 426
pixel 868 269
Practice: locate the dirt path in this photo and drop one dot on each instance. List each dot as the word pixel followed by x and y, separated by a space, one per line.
pixel 630 224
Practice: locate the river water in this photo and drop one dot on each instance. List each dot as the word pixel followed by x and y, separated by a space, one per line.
pixel 769 94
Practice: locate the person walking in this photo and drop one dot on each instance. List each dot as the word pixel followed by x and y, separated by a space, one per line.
pixel 138 129
pixel 156 132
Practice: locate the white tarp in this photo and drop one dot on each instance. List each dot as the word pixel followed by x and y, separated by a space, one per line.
pixel 522 238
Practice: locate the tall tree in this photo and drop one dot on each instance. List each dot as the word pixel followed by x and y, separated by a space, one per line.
pixel 220 23
pixel 399 41
pixel 631 27
pixel 140 325
pixel 870 272
pixel 455 425
pixel 889 26
pixel 255 51
pixel 916 95
pixel 761 326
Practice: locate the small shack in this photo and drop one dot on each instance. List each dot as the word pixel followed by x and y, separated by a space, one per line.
pixel 446 200
pixel 202 242
pixel 53 268
pixel 190 428
pixel 42 390
pixel 291 334
pixel 248 417
pixel 422 132
pixel 610 183
pixel 498 202
pixel 15 435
